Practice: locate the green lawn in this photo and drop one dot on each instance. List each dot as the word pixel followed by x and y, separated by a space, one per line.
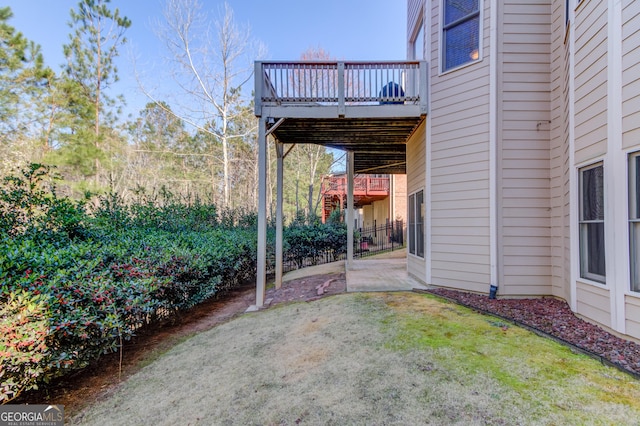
pixel 377 358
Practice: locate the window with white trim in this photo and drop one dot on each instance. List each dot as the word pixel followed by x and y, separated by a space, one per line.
pixel 591 223
pixel 634 220
pixel 416 223
pixel 460 33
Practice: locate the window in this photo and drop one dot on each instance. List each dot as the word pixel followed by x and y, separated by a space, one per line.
pixel 634 220
pixel 416 223
pixel 460 33
pixel 412 224
pixel 592 256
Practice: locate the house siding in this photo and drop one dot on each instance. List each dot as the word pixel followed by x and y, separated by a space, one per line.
pixel 631 74
pixel 593 303
pixel 632 309
pixel 567 95
pixel 631 124
pixel 590 81
pixel 591 141
pixel 523 148
pixel 414 9
pixel 416 181
pixel 459 167
pixel 560 239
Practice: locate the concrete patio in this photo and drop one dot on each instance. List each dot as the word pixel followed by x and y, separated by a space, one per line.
pixel 384 272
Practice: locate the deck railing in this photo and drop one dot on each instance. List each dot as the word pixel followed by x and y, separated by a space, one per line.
pixel 340 83
pixel 363 185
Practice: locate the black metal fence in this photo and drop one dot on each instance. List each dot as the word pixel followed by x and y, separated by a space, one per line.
pixel 376 239
pixel 367 242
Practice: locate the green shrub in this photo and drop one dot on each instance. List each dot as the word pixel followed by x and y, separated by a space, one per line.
pixel 24 332
pixel 308 242
pixel 78 285
pixel 29 206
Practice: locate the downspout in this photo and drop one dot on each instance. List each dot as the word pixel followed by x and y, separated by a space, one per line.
pixel 619 239
pixel 573 175
pixel 493 148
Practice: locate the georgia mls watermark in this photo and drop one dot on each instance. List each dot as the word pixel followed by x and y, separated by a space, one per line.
pixel 31 415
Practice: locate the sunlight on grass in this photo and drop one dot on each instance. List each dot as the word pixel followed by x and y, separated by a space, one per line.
pixel 370 358
pixel 549 378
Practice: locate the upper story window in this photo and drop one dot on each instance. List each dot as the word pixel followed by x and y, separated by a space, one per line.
pixel 460 33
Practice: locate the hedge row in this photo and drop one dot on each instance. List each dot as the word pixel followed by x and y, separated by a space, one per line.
pixel 76 285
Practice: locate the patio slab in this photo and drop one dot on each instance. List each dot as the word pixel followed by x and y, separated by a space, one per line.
pixel 381 274
pixel 384 272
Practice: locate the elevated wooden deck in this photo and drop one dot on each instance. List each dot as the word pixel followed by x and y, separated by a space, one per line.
pixel 369 108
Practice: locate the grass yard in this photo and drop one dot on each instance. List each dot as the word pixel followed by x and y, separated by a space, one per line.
pixel 378 358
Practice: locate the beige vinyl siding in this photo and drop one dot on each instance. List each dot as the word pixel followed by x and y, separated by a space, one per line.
pixel 399 195
pixel 593 303
pixel 375 214
pixel 459 168
pixel 559 155
pixel 590 81
pixel 414 7
pixel 367 216
pixel 632 311
pixel 380 212
pixel 416 172
pixel 523 148
pixel 631 74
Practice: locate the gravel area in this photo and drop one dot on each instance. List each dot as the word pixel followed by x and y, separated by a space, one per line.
pixel 555 318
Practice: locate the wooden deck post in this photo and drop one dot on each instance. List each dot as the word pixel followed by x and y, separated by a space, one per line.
pixel 261 272
pixel 279 215
pixel 350 215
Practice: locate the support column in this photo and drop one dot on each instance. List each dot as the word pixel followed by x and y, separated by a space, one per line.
pixel 279 215
pixel 261 273
pixel 350 214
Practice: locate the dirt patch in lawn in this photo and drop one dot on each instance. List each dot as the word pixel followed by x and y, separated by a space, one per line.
pixel 84 387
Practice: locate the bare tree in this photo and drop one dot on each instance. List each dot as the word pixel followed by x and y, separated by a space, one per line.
pixel 314 158
pixel 210 71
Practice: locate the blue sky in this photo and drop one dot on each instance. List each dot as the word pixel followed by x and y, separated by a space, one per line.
pixel 347 29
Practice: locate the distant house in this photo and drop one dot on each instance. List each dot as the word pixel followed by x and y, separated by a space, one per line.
pixel 519 133
pixel 378 198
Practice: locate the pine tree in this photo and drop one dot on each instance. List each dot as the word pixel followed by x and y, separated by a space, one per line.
pixel 98 32
pixel 22 80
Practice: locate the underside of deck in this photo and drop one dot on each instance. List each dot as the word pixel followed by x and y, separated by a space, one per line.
pixel 368 109
pixel 378 144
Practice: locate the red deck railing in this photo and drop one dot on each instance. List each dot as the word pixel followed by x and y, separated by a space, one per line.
pixel 362 185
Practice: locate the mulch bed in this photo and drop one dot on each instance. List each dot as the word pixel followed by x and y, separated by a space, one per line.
pixel 553 317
